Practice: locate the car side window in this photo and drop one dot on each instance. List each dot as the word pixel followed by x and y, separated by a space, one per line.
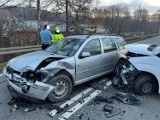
pixel 108 45
pixel 120 43
pixel 93 47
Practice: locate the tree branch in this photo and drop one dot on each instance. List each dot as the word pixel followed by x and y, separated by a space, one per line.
pixel 5 3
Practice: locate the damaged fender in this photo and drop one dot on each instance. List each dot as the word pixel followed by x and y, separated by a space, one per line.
pixel 146 67
pixel 55 67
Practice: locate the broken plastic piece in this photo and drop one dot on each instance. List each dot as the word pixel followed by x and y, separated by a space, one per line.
pixel 59 109
pixel 128 98
pixel 29 110
pixel 15 107
pixel 114 112
pixel 80 116
pixel 103 99
pixel 108 108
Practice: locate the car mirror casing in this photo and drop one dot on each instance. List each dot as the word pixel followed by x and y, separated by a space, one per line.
pixel 85 54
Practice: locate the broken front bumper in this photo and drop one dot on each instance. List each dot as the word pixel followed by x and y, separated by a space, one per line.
pixel 38 90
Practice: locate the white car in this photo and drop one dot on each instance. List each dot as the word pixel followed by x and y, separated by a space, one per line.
pixel 142 68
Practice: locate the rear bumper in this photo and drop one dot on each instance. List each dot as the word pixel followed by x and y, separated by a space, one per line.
pixel 37 90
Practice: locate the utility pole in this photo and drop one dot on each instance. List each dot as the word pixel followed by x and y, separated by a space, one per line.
pixel 66 17
pixel 39 20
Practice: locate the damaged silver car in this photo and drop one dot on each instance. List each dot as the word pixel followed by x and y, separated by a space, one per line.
pixel 141 69
pixel 69 62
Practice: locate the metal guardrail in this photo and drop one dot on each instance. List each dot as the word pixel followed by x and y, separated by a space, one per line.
pixel 10 50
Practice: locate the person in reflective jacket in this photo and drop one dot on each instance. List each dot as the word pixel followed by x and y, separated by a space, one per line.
pixel 57 35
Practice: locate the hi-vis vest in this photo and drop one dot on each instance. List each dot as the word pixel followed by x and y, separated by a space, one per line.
pixel 56 37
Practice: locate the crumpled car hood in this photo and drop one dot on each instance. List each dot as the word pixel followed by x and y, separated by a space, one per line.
pixel 29 61
pixel 139 49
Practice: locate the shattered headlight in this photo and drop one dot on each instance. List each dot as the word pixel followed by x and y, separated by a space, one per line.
pixel 127 67
pixel 129 71
pixel 35 76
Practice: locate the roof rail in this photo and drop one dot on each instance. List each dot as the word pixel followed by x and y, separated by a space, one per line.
pixel 108 34
pixel 113 34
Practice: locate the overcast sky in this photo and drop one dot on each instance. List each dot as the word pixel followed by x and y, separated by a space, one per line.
pixel 150 5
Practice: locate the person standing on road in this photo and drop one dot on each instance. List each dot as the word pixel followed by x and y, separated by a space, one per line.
pixel 57 35
pixel 46 37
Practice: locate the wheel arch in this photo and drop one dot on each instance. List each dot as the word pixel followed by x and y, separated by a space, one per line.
pixel 63 71
pixel 121 59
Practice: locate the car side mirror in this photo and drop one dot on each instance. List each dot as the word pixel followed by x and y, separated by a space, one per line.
pixel 85 54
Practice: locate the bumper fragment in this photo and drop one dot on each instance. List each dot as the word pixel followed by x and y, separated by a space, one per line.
pixel 37 90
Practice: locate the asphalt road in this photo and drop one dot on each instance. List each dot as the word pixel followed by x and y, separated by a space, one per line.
pixel 155 40
pixel 148 109
pixel 81 104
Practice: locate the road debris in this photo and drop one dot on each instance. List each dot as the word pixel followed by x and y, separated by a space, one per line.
pixel 14 108
pixel 98 84
pixel 80 116
pixel 56 107
pixel 111 111
pixel 108 108
pixel 103 99
pixel 128 98
pixel 32 109
pixel 59 109
pixel 29 110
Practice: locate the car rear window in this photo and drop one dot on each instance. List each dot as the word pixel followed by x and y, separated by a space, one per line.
pixel 108 45
pixel 120 43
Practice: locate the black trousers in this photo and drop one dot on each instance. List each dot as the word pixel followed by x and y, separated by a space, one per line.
pixel 44 46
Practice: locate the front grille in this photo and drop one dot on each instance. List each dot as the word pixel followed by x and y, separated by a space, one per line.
pixel 10 70
pixel 18 84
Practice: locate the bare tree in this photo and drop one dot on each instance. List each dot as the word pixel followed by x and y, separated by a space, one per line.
pixel 98 16
pixel 115 18
pixel 158 11
pixel 4 2
pixel 141 17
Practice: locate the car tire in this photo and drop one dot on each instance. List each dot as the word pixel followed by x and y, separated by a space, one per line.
pixel 144 84
pixel 63 88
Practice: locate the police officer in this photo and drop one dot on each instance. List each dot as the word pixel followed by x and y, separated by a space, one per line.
pixel 57 35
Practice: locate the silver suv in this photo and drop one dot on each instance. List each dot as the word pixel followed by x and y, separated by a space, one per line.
pixel 71 61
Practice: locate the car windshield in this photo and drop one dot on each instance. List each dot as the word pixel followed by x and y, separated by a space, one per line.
pixel 66 46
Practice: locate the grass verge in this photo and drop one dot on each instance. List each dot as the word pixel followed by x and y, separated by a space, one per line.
pixel 140 39
pixel 2 65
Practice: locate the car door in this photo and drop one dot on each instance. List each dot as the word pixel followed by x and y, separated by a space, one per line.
pixel 109 56
pixel 88 67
